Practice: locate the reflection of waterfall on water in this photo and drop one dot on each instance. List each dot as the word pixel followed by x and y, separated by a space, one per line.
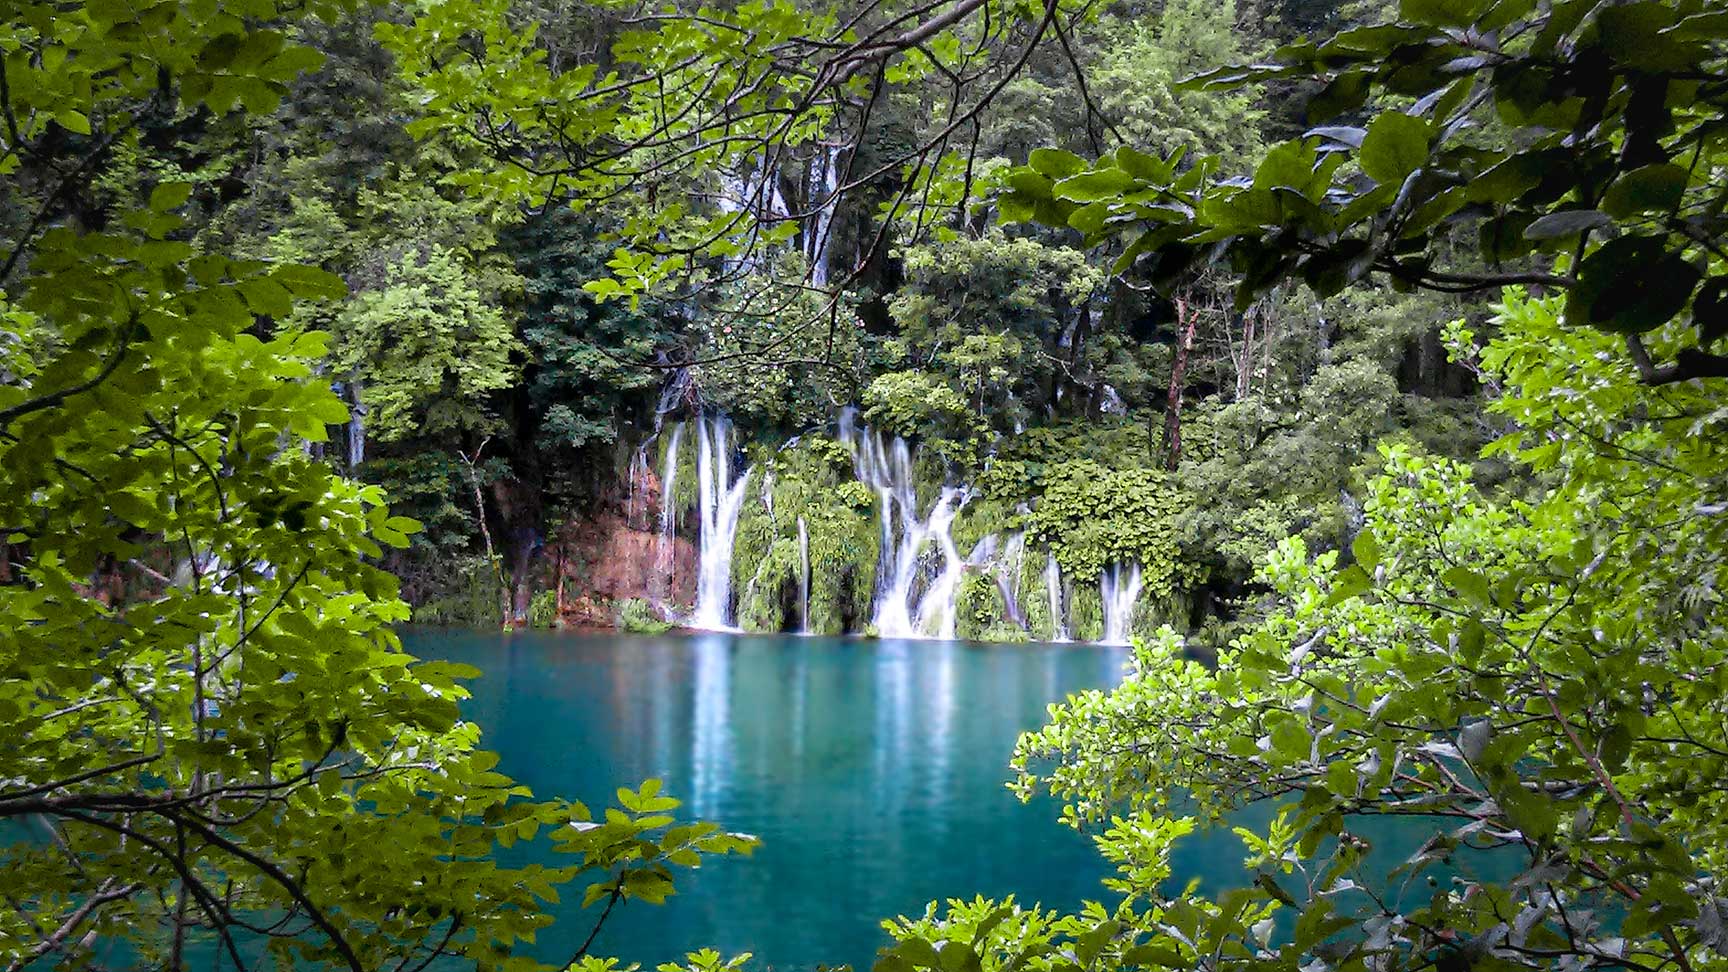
pixel 894 745
pixel 720 499
pixel 665 545
pixel 938 703
pixel 711 725
pixel 1058 610
pixel 1119 594
pixel 803 576
pixel 886 466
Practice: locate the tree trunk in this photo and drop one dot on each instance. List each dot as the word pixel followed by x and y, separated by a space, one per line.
pixel 559 587
pixel 471 462
pixel 1245 366
pixel 1172 446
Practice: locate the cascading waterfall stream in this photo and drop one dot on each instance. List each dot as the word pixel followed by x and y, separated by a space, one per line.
pixel 919 567
pixel 665 546
pixel 824 185
pixel 886 466
pixel 720 499
pixel 636 505
pixel 804 576
pixel 1008 577
pixel 1058 611
pixel 1119 594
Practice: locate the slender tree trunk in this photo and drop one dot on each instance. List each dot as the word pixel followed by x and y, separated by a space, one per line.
pixel 1245 367
pixel 1172 445
pixel 559 574
pixel 471 461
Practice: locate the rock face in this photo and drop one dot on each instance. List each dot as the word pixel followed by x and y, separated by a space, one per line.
pixel 617 555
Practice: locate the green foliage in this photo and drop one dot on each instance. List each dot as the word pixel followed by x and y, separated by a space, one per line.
pixel 579 348
pixel 639 617
pixel 466 595
pixel 543 610
pixel 1579 634
pixel 207 706
pixel 911 403
pixel 755 323
pixel 988 315
pixel 767 598
pixel 1272 472
pixel 812 481
pixel 1091 517
pixel 431 348
pixel 978 608
pixel 1574 141
pixel 1141 62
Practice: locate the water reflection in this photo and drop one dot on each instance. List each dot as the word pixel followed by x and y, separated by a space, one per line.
pixel 873 771
pixel 711 728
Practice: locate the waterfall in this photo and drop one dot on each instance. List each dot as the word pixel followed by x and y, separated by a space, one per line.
pixel 665 546
pixel 636 504
pixel 356 425
pixel 1053 588
pixel 824 184
pixel 804 576
pixel 886 466
pixel 720 499
pixel 1008 578
pixel 1119 595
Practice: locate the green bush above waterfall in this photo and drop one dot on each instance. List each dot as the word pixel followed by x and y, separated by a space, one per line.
pixel 1092 517
pixel 810 481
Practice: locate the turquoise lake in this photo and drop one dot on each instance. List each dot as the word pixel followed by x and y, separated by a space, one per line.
pixel 872 771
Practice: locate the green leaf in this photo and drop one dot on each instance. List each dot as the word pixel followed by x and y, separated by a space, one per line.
pixel 1095 185
pixel 170 195
pixel 1055 163
pixel 1395 146
pixel 1366 550
pixel 310 282
pixel 1566 222
pixel 1631 285
pixel 1651 189
pixel 1472 585
pixel 73 121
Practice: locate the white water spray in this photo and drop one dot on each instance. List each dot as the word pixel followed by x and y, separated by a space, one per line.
pixel 886 466
pixel 804 576
pixel 1119 594
pixel 720 499
pixel 665 545
pixel 824 184
pixel 1058 612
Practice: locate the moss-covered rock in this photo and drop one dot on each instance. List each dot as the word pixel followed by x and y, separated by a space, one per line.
pixel 638 617
pixel 811 481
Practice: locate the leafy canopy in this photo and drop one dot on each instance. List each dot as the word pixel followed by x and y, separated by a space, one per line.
pixel 1576 145
pixel 211 727
pixel 1535 688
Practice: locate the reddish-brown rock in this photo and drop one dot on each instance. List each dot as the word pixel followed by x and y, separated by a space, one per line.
pixel 618 554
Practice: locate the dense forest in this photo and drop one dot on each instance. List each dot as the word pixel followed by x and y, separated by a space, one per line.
pixel 1360 363
pixel 684 454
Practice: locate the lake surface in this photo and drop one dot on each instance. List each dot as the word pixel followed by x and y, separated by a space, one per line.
pixel 873 771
